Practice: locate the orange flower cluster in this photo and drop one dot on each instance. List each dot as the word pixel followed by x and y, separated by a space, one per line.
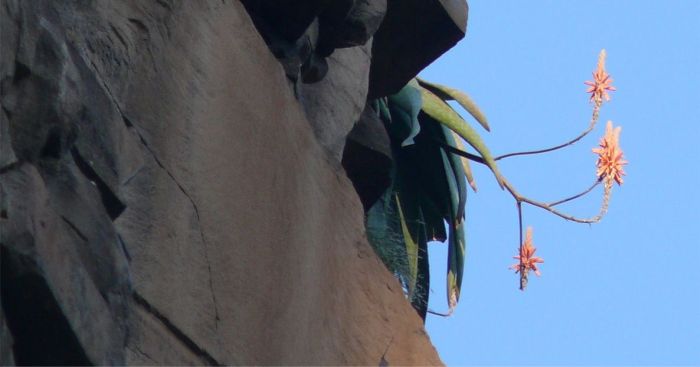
pixel 609 166
pixel 610 156
pixel 527 260
pixel 601 84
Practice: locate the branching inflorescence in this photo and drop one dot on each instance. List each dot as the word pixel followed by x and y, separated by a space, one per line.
pixel 609 167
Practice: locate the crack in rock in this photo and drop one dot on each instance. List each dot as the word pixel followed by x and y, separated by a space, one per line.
pixel 196 213
pixel 112 204
pixel 130 125
pixel 138 350
pixel 75 229
pixel 177 333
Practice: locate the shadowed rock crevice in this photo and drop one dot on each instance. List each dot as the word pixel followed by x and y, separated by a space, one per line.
pixel 52 147
pixel 21 72
pixel 111 202
pixel 367 157
pixel 40 331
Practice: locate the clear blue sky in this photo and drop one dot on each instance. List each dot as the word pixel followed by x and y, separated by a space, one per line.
pixel 625 291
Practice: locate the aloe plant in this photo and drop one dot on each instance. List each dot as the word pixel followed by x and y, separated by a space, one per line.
pixel 431 171
pixel 429 186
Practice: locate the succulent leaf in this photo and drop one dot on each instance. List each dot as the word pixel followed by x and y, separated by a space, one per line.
pixel 443 113
pixel 466 166
pixel 407 103
pixel 448 94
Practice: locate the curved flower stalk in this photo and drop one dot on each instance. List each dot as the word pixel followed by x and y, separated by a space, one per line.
pixel 598 88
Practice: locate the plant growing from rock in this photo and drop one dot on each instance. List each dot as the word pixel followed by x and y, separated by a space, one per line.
pixel 428 193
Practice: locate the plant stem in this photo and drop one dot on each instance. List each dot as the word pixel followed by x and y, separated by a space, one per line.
pixel 547 207
pixel 461 153
pixel 594 120
pixel 562 201
pixel 447 314
pixel 523 273
pixel 523 199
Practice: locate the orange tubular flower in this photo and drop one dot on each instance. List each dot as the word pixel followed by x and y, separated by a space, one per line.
pixel 527 259
pixel 610 156
pixel 601 83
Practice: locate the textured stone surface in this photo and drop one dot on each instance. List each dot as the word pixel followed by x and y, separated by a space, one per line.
pixel 334 104
pixel 60 308
pixel 166 201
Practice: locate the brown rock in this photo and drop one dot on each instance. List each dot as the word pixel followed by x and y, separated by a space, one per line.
pixel 334 104
pixel 413 34
pixel 59 309
pixel 169 202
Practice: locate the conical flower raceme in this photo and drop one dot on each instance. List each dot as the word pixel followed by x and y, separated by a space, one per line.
pixel 610 156
pixel 602 82
pixel 527 260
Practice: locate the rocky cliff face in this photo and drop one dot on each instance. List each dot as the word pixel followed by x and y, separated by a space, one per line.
pixel 172 193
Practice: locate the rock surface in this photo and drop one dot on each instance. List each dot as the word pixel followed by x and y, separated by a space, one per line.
pixel 413 34
pixel 334 104
pixel 164 199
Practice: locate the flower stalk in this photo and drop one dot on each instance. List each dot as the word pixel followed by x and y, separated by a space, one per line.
pixel 609 169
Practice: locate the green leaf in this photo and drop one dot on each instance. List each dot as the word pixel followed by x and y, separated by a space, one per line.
pixel 434 220
pixel 455 261
pixel 456 246
pixel 383 110
pixel 443 113
pixel 428 172
pixel 446 93
pixel 407 104
pixel 422 293
pixel 420 166
pixel 457 171
pixel 386 237
pixel 411 238
pixel 466 166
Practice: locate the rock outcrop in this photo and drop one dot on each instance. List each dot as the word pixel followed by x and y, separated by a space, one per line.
pixel 171 191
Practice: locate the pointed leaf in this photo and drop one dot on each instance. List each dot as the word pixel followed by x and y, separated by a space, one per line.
pixel 465 162
pixel 443 113
pixel 383 110
pixel 458 171
pixel 385 234
pixel 455 261
pixel 407 103
pixel 446 93
pixel 456 247
pixel 422 293
pixel 411 242
pixel 434 221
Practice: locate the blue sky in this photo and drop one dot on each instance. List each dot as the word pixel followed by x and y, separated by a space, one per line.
pixel 625 291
